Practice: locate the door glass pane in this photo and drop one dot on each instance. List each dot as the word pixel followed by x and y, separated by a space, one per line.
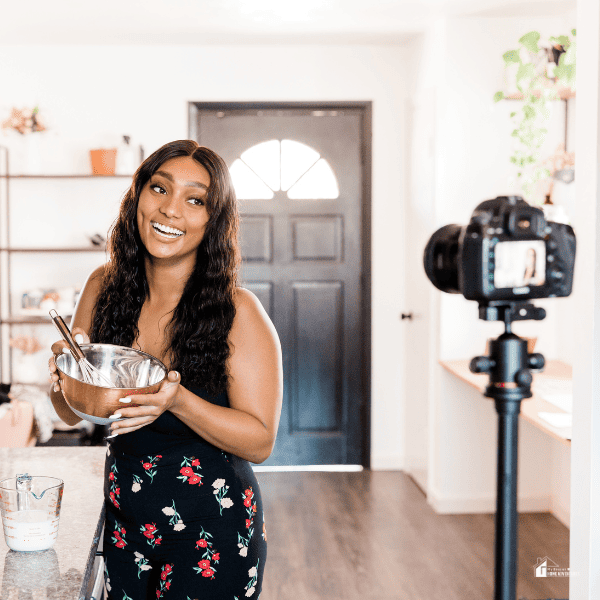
pixel 248 186
pixel 263 159
pixel 319 183
pixel 296 159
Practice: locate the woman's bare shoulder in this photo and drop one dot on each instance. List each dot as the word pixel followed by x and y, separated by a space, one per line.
pixel 250 314
pixel 82 316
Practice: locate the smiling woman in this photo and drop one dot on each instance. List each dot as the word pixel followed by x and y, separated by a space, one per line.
pixel 184 510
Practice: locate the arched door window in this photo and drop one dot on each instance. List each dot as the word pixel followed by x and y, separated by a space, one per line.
pixel 283 165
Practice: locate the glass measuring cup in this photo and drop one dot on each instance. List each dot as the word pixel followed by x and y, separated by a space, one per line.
pixel 30 509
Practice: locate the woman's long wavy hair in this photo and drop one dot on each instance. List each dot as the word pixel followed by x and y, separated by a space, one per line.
pixel 202 320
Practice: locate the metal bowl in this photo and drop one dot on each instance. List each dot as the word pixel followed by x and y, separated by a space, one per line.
pixel 130 371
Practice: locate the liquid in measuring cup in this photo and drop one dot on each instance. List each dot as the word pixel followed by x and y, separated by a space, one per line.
pixel 30 530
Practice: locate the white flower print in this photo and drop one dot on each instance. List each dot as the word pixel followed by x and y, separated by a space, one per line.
pixel 180 526
pixel 218 483
pixel 145 567
pixel 226 502
pixel 138 556
pixel 168 510
pixel 244 551
pixel 252 572
pixel 136 487
pixel 250 591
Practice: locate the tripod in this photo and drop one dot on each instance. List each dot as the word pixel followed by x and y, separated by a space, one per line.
pixel 510 380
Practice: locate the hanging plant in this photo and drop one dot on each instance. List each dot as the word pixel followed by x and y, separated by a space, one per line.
pixel 542 74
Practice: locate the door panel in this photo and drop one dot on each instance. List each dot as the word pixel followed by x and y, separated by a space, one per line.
pixel 302 257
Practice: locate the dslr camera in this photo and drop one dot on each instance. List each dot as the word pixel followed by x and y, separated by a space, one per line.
pixel 507 253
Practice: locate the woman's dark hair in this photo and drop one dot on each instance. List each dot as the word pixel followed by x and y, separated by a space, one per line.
pixel 201 322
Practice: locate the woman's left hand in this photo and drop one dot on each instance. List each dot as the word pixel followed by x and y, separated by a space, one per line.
pixel 150 406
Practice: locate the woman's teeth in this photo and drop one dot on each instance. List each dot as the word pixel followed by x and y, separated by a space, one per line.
pixel 169 232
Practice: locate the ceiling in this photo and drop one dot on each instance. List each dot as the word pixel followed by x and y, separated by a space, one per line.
pixel 194 22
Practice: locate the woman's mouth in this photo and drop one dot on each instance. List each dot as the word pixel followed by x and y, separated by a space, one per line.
pixel 165 231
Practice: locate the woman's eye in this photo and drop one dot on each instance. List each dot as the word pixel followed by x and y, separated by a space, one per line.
pixel 156 187
pixel 197 201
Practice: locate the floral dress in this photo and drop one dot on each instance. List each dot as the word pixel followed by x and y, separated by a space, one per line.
pixel 184 520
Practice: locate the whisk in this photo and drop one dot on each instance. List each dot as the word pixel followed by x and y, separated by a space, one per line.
pixel 90 373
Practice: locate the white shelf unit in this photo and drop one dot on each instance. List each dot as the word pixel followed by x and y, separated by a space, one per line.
pixel 47 207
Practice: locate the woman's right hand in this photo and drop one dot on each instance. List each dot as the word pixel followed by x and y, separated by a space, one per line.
pixel 58 348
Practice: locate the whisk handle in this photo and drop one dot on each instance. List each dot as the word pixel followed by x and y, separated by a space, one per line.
pixel 65 332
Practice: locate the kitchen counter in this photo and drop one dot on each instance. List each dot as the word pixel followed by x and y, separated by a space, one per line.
pixel 64 572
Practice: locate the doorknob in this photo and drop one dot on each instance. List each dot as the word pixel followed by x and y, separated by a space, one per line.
pixel 408 316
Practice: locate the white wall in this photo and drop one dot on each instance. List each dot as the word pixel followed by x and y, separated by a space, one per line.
pixel 92 95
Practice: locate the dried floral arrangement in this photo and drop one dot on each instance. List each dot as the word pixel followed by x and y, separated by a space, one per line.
pixel 24 120
pixel 28 344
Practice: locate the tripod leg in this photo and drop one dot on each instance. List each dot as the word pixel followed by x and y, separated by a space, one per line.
pixel 506 501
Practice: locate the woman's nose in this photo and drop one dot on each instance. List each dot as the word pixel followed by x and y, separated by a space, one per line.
pixel 171 206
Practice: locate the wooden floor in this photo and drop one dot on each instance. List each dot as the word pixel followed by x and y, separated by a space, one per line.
pixel 371 535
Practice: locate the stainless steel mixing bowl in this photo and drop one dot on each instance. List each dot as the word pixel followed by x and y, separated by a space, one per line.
pixel 130 371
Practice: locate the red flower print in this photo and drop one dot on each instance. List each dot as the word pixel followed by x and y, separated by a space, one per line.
pixel 118 491
pixel 208 573
pixel 168 584
pixel 150 527
pixel 120 544
pixel 163 575
pixel 167 568
pixel 247 501
pixel 159 456
pixel 216 556
pixel 254 507
pixel 187 471
pixel 111 476
pixel 248 492
pixel 149 535
pixel 158 541
pixel 123 530
pixel 204 564
pixel 158 593
pixel 117 533
pixel 201 543
pixel 248 523
pixel 147 466
pixel 194 479
pixel 195 463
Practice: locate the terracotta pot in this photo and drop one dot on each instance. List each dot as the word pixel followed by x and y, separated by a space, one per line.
pixel 103 161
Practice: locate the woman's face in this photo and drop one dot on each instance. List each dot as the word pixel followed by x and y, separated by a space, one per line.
pixel 172 214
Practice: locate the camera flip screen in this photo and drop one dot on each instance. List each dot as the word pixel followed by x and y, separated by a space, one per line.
pixel 519 264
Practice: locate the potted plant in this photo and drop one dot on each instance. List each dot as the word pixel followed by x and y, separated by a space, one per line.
pixel 541 74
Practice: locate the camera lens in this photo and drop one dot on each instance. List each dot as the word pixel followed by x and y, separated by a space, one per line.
pixel 440 258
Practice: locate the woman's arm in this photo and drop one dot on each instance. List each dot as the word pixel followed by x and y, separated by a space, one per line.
pixel 81 323
pixel 249 427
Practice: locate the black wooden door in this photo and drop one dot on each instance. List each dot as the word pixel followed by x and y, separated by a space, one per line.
pixel 299 177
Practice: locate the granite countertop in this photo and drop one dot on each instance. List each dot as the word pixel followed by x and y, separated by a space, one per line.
pixel 63 571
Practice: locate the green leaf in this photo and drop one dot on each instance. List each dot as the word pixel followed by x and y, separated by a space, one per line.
pixel 524 72
pixel 515 133
pixel 498 96
pixel 512 56
pixel 563 40
pixel 513 115
pixel 530 41
pixel 529 112
pixel 574 32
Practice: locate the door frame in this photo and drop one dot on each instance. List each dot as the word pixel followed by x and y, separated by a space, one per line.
pixel 366 110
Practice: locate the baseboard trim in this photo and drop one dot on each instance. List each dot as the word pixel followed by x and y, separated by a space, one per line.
pixel 390 462
pixel 485 504
pixel 561 513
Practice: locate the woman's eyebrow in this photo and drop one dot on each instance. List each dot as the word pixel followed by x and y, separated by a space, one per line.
pixel 187 183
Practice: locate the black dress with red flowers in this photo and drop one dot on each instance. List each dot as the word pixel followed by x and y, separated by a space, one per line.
pixel 184 520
